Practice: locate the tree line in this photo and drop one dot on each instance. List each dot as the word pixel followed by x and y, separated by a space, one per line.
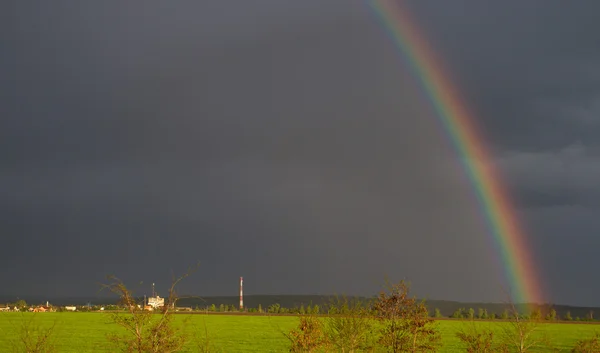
pixel 393 321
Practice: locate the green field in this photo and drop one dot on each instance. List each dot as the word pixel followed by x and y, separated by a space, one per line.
pixel 86 332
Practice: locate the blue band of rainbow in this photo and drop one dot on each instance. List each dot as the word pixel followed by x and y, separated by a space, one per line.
pixel 461 127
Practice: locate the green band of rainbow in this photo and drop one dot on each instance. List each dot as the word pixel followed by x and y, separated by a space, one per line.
pixel 461 127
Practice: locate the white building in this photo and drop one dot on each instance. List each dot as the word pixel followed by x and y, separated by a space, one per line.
pixel 156 302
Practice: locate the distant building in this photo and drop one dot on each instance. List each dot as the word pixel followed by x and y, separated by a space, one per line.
pixel 156 302
pixel 70 308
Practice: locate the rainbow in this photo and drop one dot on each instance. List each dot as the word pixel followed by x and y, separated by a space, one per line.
pixel 460 126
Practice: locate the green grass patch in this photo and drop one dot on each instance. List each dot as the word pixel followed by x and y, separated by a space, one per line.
pixel 86 332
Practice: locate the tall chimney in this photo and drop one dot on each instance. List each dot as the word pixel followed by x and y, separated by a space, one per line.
pixel 241 293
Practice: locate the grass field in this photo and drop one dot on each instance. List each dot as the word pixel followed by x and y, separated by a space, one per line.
pixel 86 332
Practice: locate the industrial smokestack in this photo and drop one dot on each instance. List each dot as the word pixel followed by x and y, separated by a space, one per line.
pixel 241 293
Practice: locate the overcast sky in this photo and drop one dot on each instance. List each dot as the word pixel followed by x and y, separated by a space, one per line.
pixel 287 142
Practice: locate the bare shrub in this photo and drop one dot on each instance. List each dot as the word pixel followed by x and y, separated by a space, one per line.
pixel 146 331
pixel 309 336
pixel 32 337
pixel 523 335
pixel 590 345
pixel 349 325
pixel 479 340
pixel 406 326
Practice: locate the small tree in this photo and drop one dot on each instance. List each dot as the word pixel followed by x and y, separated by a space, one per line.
pixel 406 326
pixel 437 313
pixel 350 327
pixel 274 308
pixel 536 314
pixel 308 336
pixel 568 316
pixel 477 340
pixel 471 314
pixel 458 313
pixel 260 309
pixel 144 331
pixel 551 315
pixel 522 335
pixel 32 337
pixel 591 345
pixel 480 313
pixel 21 304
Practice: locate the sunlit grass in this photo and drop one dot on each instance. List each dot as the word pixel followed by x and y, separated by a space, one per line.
pixel 86 332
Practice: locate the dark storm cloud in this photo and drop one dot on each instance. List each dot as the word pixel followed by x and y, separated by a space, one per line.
pixel 280 141
pixel 531 73
pixel 514 59
pixel 565 177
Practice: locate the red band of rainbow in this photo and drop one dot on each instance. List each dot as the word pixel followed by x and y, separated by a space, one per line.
pixel 461 127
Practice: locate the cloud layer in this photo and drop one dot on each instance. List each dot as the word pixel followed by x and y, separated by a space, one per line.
pixel 290 146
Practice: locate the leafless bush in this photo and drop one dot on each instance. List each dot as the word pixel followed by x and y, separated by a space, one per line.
pixel 590 345
pixel 146 331
pixel 406 326
pixel 309 336
pixel 349 326
pixel 523 335
pixel 32 337
pixel 479 340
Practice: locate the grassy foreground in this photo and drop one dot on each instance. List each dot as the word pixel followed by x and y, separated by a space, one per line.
pixel 86 332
